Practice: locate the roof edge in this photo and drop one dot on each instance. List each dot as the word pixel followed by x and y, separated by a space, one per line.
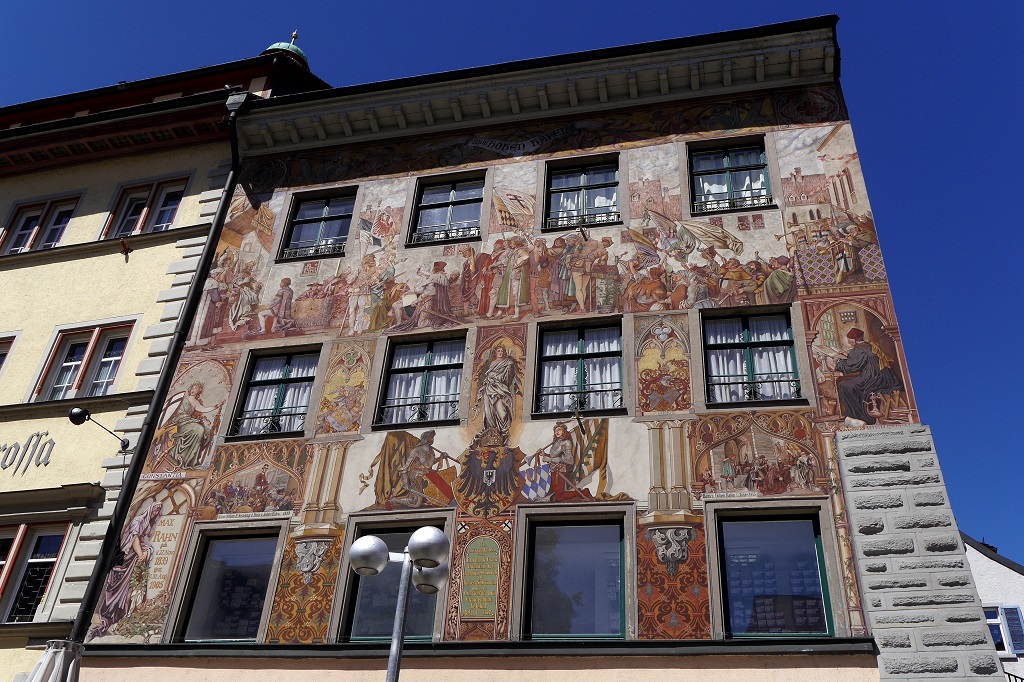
pixel 828 21
pixel 989 554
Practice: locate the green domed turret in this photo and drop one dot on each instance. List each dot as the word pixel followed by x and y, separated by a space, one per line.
pixel 290 47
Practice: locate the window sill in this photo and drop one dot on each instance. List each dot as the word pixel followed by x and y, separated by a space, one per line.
pixel 45 408
pixel 101 247
pixel 436 242
pixel 406 425
pixel 843 646
pixel 278 435
pixel 44 630
pixel 584 414
pixel 751 404
pixel 770 206
pixel 586 226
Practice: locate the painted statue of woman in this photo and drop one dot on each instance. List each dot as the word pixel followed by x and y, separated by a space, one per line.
pixel 135 547
pixel 499 382
pixel 192 428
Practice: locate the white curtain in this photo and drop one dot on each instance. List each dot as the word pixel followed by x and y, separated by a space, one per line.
pixel 405 389
pixel 560 380
pixel 261 401
pixel 728 373
pixel 568 205
pixel 773 366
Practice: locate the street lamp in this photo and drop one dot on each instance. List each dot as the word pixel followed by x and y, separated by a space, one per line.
pixel 427 553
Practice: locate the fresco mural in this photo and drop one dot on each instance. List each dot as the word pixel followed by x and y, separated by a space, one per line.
pixel 857 360
pixel 256 478
pixel 348 374
pixel 192 413
pixel 491 475
pixel 480 587
pixel 662 364
pixel 818 247
pixel 755 454
pixel 301 613
pixel 672 583
pixel 137 594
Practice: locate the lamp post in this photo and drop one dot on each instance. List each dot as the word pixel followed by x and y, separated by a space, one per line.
pixel 424 563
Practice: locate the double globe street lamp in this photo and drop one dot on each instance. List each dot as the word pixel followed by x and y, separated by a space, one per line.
pixel 424 564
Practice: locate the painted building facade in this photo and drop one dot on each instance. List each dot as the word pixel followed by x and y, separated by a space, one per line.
pixel 607 320
pixel 107 198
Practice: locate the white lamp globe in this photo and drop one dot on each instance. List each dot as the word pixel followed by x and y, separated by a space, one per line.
pixel 368 555
pixel 428 547
pixel 430 580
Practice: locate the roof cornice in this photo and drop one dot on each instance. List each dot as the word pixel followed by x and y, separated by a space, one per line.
pixel 793 54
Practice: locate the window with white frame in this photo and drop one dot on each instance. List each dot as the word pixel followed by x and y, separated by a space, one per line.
pixel 733 177
pixel 585 194
pixel 5 349
pixel 579 369
pixel 1007 627
pixel 422 382
pixel 28 557
pixel 276 395
pixel 146 208
pixel 320 227
pixel 750 358
pixel 448 211
pixel 39 226
pixel 229 585
pixel 84 363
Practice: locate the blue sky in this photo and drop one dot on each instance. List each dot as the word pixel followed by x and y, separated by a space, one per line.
pixel 933 91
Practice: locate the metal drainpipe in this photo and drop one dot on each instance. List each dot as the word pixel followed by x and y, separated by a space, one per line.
pixel 235 103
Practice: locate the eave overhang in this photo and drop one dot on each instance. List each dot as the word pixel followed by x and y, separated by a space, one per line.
pixel 793 54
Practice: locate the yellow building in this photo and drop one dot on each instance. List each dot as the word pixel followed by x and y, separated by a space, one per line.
pixel 107 199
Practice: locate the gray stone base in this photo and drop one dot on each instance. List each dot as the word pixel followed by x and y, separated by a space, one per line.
pixel 919 596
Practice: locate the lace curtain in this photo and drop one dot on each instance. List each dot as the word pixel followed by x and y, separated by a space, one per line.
pixel 773 373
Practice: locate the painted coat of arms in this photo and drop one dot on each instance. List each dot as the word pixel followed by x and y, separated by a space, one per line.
pixel 489 480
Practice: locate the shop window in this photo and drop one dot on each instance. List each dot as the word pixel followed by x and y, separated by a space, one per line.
pixel 422 383
pixel 84 363
pixel 230 587
pixel 579 369
pixel 575 580
pixel 276 394
pixel 319 227
pixel 38 227
pixel 372 610
pixel 448 211
pixel 749 358
pixel 773 576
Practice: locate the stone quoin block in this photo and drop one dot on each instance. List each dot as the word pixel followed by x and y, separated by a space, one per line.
pixel 918 600
pixel 983 664
pixel 932 499
pixel 887 546
pixel 897 584
pixel 893 640
pixel 876 567
pixel 870 525
pixel 880 501
pixel 886 447
pixel 923 564
pixel 895 481
pixel 921 520
pixel 954 580
pixel 904 619
pixel 963 616
pixel 953 638
pixel 880 466
pixel 920 665
pixel 941 543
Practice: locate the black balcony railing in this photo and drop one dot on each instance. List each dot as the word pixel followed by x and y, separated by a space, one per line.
pixel 329 248
pixel 725 203
pixel 568 222
pixel 417 411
